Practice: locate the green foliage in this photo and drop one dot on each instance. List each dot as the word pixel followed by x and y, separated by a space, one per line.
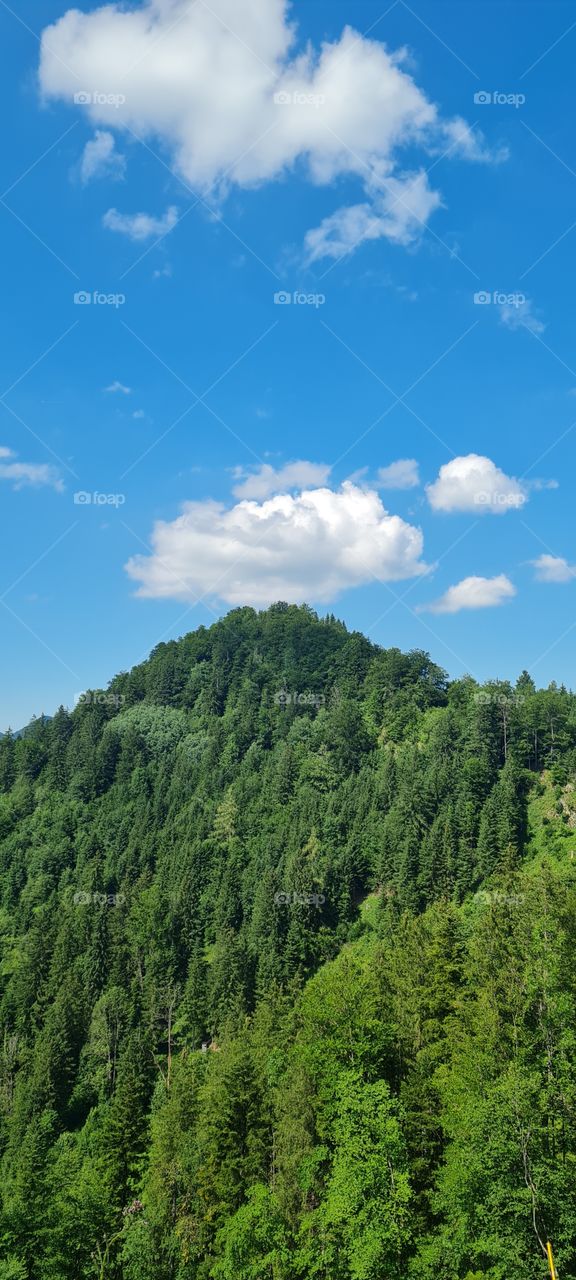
pixel 287 969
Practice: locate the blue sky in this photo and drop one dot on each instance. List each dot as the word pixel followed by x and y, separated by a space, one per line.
pixel 346 164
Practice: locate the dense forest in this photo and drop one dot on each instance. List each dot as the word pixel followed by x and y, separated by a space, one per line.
pixel 288 969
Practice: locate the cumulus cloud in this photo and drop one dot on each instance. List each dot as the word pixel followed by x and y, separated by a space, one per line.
pixel 402 474
pixel 140 226
pixel 309 546
pixel 553 569
pixel 100 159
pixel 521 316
pixel 20 474
pixel 266 480
pixel 475 483
pixel 473 593
pixel 234 100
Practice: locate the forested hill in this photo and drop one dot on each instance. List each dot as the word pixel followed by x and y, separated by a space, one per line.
pixel 287 969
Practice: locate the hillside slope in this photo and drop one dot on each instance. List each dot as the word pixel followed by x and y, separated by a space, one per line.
pixel 287 968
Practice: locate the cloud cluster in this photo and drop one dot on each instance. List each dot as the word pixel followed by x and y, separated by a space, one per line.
pixel 309 546
pixel 474 483
pixel 228 93
pixel 20 474
pixel 473 593
pixel 291 537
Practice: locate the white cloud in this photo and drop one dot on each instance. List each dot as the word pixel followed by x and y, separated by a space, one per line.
pixel 35 474
pixel 402 474
pixel 226 91
pixel 475 483
pixel 116 387
pixel 473 593
pixel 266 481
pixel 521 316
pixel 310 546
pixel 138 413
pixel 399 211
pixel 553 569
pixel 100 159
pixel 140 226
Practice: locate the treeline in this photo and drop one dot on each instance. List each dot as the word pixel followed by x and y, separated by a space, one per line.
pixel 286 968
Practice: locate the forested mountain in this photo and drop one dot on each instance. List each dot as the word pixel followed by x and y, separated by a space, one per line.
pixel 287 969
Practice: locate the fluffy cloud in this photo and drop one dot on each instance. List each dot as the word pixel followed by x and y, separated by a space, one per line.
pixel 310 546
pixel 100 159
pixel 475 483
pixel 140 226
pixel 35 474
pixel 473 593
pixel 553 569
pixel 228 93
pixel 265 481
pixel 521 316
pixel 402 474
